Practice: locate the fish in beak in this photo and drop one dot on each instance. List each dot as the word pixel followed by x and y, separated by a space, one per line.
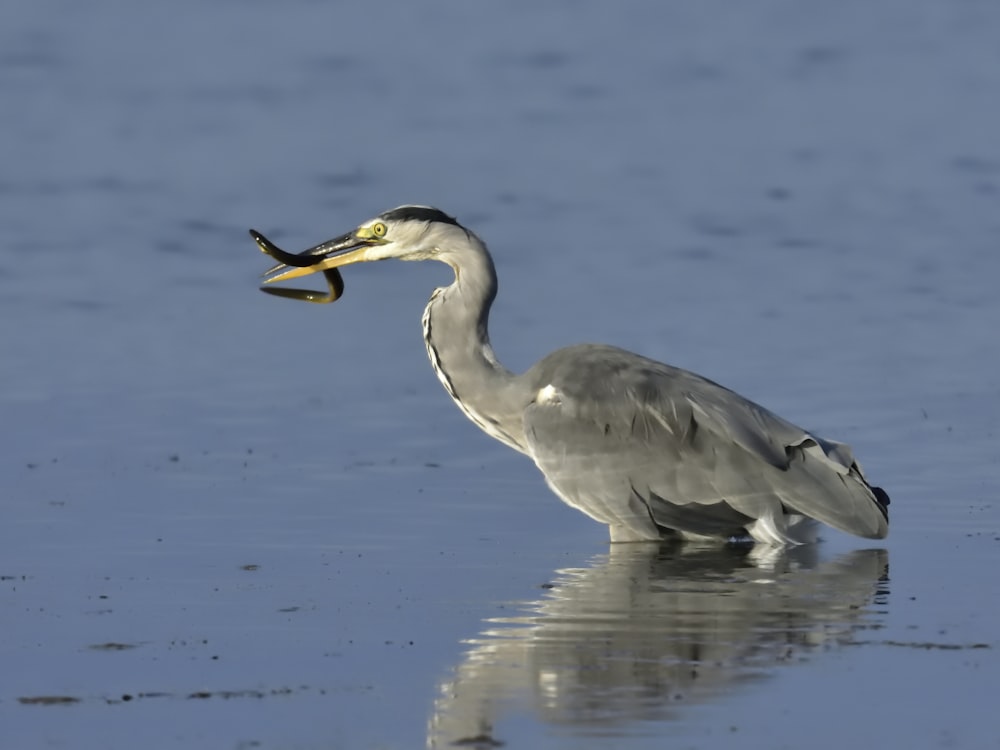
pixel 326 258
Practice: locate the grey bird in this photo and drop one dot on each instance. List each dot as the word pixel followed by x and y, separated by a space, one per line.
pixel 651 450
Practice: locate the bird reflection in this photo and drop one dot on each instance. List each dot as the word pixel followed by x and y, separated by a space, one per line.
pixel 646 630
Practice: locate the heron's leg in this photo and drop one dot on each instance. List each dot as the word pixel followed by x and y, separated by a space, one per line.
pixel 622 533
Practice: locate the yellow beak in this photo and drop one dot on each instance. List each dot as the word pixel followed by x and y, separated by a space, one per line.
pixel 325 258
pixel 341 251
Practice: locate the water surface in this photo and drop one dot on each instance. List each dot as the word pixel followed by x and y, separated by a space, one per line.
pixel 235 521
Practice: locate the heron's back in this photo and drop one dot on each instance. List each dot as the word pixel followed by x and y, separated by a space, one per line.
pixel 645 446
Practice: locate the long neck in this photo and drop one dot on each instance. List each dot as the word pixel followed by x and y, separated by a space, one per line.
pixel 458 344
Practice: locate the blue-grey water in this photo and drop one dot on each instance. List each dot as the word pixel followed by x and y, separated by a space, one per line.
pixel 233 521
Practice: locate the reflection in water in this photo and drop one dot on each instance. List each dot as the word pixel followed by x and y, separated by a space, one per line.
pixel 646 630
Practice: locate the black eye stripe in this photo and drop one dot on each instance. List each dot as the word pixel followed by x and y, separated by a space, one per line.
pixel 418 213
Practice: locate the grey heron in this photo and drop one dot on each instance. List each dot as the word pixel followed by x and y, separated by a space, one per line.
pixel 651 450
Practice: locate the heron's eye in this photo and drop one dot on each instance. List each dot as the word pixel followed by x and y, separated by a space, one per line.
pixel 379 229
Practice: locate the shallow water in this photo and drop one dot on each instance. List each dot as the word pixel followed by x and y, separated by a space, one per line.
pixel 235 521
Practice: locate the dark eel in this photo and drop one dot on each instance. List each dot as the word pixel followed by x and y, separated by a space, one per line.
pixel 334 281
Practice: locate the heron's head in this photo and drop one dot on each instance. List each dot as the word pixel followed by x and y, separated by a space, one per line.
pixel 406 233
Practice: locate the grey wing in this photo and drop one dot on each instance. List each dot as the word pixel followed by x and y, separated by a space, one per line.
pixel 646 447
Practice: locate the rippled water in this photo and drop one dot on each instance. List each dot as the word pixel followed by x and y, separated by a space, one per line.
pixel 642 635
pixel 233 521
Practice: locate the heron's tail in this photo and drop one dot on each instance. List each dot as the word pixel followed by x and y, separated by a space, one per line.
pixel 882 498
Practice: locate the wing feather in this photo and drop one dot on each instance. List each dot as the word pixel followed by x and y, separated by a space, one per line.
pixel 615 427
